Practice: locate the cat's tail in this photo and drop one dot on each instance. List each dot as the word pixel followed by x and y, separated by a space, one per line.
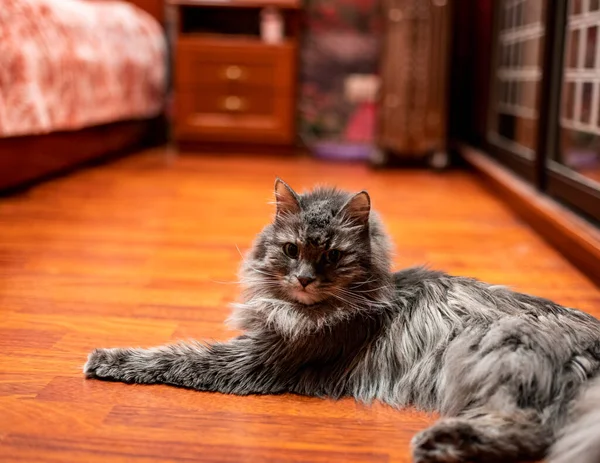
pixel 579 441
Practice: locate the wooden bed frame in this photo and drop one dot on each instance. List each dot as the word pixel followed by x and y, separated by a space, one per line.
pixel 27 160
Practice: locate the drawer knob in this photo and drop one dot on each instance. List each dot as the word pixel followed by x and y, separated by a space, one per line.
pixel 233 72
pixel 233 103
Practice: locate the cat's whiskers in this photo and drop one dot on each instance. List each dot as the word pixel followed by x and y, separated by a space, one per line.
pixel 369 290
pixel 359 303
pixel 237 282
pixel 247 264
pixel 348 303
pixel 362 283
pixel 358 295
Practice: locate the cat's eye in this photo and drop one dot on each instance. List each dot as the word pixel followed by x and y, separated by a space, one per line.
pixel 333 256
pixel 290 250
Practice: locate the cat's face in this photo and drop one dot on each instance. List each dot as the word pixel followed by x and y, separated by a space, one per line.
pixel 318 248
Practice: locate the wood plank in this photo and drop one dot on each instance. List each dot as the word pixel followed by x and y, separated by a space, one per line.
pixel 121 449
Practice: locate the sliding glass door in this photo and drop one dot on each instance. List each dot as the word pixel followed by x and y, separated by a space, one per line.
pixel 544 106
pixel 574 163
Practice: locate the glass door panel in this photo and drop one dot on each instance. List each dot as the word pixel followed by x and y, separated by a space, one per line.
pixel 517 76
pixel 579 148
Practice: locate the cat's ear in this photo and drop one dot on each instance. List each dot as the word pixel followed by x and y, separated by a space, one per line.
pixel 286 199
pixel 357 208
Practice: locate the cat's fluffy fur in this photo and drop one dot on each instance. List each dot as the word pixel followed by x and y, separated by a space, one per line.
pixel 510 373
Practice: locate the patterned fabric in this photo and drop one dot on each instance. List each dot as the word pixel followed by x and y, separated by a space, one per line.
pixel 69 64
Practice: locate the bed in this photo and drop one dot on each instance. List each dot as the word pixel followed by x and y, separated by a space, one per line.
pixel 79 80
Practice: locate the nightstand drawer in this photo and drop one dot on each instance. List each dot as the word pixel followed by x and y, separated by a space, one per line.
pixel 211 100
pixel 246 116
pixel 230 63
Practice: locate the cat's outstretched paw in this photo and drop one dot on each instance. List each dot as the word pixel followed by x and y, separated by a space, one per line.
pixel 448 441
pixel 103 364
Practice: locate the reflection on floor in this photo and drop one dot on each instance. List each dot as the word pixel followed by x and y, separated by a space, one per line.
pixel 140 252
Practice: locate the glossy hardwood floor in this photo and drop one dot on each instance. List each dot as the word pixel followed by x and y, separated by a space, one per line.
pixel 143 251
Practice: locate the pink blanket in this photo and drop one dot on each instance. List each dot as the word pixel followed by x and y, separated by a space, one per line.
pixel 69 64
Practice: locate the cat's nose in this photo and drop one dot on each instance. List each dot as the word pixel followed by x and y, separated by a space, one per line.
pixel 305 281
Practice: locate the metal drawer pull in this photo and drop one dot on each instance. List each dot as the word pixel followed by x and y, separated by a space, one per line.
pixel 233 72
pixel 233 103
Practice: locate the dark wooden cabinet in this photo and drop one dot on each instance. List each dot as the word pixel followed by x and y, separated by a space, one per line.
pixel 415 81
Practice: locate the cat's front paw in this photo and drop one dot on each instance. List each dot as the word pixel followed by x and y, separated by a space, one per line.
pixel 448 441
pixel 103 364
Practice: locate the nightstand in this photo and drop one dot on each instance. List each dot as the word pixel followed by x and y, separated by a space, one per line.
pixel 231 86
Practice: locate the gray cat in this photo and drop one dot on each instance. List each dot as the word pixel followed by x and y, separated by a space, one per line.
pixel 515 377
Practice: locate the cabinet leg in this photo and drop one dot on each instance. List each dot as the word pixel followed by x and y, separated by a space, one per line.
pixel 439 160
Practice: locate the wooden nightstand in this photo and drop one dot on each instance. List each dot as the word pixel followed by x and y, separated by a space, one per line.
pixel 230 85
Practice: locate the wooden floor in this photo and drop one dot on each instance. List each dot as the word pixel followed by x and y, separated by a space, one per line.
pixel 143 251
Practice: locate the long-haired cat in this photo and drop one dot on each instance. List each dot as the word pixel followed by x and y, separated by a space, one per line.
pixel 515 377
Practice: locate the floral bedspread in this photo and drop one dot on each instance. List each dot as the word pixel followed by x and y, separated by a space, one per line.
pixel 69 64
